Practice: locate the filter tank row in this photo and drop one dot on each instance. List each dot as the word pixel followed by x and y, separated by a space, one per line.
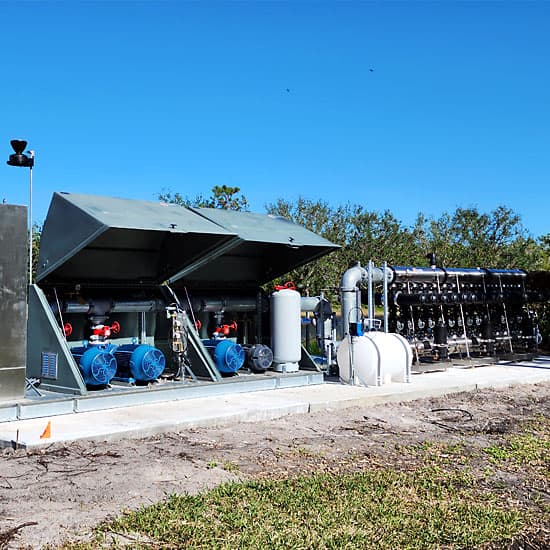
pixel 444 312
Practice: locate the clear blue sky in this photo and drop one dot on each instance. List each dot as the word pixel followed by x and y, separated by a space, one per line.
pixel 130 98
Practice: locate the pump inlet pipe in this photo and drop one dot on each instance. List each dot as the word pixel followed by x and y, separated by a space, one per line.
pixel 350 293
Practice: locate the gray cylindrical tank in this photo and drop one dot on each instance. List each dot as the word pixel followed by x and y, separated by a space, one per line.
pixel 286 337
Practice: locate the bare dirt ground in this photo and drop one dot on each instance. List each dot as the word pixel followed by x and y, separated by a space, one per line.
pixel 61 492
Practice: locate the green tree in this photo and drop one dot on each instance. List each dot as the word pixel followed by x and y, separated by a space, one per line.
pixel 469 238
pixel 222 196
pixel 379 237
pixel 329 222
pixel 544 247
pixel 36 234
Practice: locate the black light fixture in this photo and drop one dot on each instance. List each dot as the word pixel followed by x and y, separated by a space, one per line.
pixel 26 161
pixel 19 158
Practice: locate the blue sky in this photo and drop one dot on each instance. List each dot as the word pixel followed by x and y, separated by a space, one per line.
pixel 130 98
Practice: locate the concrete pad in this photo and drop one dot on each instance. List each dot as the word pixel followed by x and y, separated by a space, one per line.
pixel 148 419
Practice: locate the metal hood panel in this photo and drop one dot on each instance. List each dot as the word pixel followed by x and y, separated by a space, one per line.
pixel 269 246
pixel 89 238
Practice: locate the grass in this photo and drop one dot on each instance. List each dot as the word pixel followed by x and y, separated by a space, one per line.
pixel 382 509
pixel 529 451
pixel 523 449
pixel 438 495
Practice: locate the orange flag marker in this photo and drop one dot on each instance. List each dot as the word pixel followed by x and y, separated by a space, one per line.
pixel 47 433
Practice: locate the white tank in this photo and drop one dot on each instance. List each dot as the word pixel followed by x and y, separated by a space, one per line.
pixel 376 358
pixel 286 335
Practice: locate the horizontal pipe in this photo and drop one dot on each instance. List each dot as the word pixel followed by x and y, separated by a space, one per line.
pixel 431 274
pixel 111 306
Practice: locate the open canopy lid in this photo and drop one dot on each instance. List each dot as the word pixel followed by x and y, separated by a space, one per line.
pixel 90 239
pixel 95 239
pixel 268 247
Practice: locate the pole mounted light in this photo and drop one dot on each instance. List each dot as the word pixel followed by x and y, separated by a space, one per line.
pixel 26 161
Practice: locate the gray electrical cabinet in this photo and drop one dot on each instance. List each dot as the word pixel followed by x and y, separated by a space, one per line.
pixel 13 301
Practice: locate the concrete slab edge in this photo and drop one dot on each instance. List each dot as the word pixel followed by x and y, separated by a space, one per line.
pixel 250 415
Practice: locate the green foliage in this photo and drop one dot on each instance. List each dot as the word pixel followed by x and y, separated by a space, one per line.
pixel 468 238
pixel 36 234
pixel 382 509
pixel 222 196
pixel 544 246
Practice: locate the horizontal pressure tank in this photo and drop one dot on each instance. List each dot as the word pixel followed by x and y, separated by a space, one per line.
pixel 228 356
pixel 286 330
pixel 376 358
pixel 140 361
pixel 97 363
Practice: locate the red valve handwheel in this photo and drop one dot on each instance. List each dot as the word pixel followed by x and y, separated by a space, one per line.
pixel 225 329
pixel 287 286
pixel 67 329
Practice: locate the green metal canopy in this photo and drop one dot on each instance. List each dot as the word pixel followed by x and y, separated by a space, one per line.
pixel 269 246
pixel 94 239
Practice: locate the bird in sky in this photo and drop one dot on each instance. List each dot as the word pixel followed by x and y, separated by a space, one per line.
pixel 371 70
pixel 288 90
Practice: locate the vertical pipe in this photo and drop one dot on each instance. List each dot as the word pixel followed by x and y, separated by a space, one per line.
pixel 306 329
pixel 505 315
pixel 350 296
pixel 321 319
pixel 30 225
pixel 259 317
pixel 385 296
pixel 463 320
pixel 143 327
pixel 370 297
pixel 351 364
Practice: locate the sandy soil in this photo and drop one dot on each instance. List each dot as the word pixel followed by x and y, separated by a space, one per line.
pixel 62 491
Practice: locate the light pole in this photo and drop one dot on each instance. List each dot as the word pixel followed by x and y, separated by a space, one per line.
pixel 27 161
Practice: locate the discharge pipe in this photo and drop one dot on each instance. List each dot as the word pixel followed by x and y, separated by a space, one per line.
pixel 350 295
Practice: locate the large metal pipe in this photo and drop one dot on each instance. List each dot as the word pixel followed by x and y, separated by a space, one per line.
pixel 216 303
pixel 309 303
pixel 110 306
pixel 350 296
pixel 402 273
pixel 351 306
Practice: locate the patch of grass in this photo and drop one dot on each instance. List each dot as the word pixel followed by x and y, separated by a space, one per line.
pixel 382 509
pixel 230 466
pixel 528 448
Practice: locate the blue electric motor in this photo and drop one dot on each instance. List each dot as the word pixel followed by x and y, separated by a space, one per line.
pixel 228 356
pixel 97 363
pixel 142 362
